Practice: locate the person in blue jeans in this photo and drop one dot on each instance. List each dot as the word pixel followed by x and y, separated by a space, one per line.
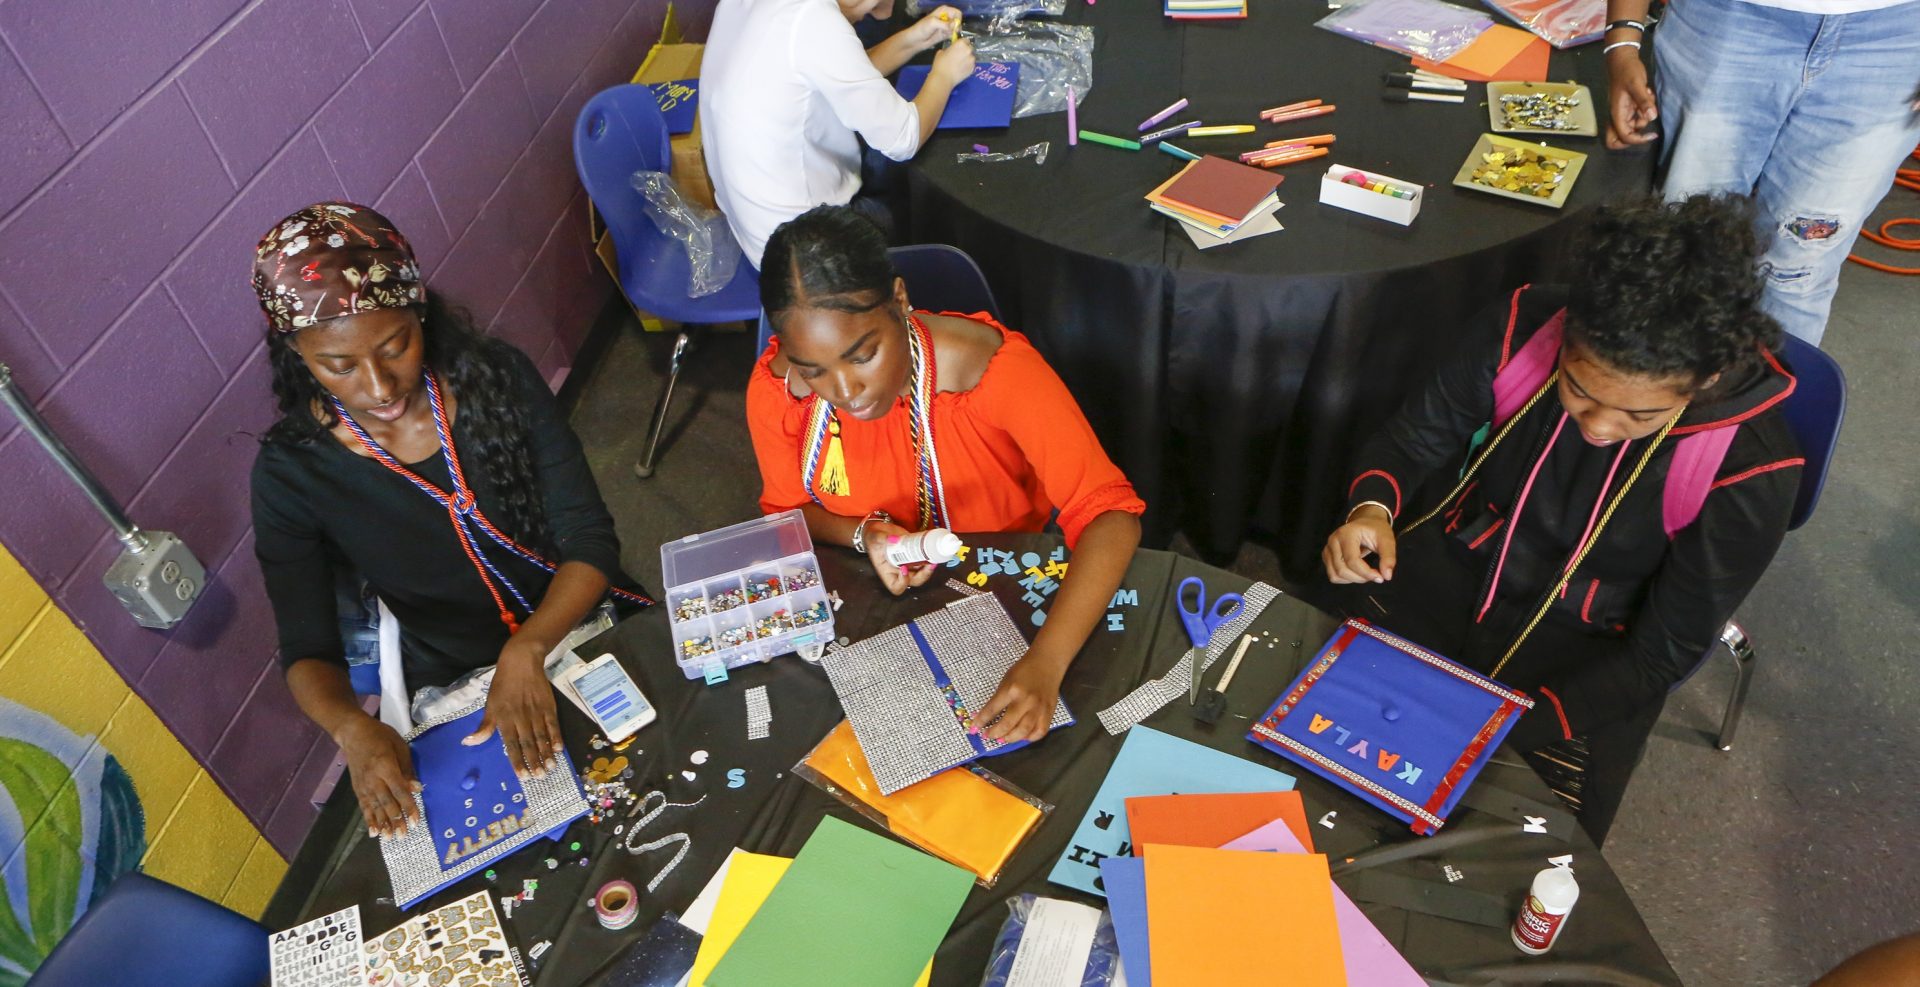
pixel 1809 105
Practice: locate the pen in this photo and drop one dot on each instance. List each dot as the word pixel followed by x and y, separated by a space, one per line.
pixel 1173 131
pixel 1301 114
pixel 1073 119
pixel 1290 107
pixel 1408 96
pixel 1148 123
pixel 1221 131
pixel 1119 142
pixel 1315 141
pixel 1177 152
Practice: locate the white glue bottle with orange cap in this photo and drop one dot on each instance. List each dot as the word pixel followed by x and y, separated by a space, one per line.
pixel 1544 912
pixel 935 546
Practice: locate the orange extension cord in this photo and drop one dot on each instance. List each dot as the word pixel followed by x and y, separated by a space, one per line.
pixel 1907 178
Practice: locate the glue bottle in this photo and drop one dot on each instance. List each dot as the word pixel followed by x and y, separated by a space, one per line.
pixel 935 546
pixel 1544 912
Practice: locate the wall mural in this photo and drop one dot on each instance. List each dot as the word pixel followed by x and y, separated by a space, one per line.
pixel 88 828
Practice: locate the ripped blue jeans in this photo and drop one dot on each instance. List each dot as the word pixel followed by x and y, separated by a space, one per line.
pixel 1810 113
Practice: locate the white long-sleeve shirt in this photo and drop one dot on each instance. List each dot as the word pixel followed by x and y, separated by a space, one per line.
pixel 785 86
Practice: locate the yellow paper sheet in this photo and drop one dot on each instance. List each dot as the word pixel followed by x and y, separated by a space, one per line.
pixel 750 878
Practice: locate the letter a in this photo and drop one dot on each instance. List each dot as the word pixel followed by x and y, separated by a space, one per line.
pixel 1319 724
pixel 1387 761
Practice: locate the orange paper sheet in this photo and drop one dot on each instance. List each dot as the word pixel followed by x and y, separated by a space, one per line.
pixel 1219 917
pixel 954 815
pixel 1500 54
pixel 1213 820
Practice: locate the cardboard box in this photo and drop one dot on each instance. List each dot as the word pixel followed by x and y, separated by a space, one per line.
pixel 670 63
pixel 1379 205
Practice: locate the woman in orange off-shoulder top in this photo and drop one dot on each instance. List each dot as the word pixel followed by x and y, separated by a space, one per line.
pixel 876 420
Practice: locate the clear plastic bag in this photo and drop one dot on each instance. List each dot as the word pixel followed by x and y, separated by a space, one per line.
pixel 1051 56
pixel 1426 29
pixel 1561 23
pixel 712 254
pixel 966 815
pixel 1103 961
pixel 992 9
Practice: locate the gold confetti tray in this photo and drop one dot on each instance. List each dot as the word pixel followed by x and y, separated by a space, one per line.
pixel 1585 123
pixel 1490 144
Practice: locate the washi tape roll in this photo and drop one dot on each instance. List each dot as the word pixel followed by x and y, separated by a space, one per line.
pixel 616 905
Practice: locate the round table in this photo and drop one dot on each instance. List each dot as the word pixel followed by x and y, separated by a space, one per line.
pixel 702 730
pixel 1231 383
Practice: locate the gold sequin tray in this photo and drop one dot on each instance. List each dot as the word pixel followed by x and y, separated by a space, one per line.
pixel 1523 170
pixel 1526 108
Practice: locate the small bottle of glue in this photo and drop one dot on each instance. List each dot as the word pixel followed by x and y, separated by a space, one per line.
pixel 1544 912
pixel 935 546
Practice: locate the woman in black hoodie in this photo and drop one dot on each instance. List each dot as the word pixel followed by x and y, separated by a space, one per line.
pixel 1578 503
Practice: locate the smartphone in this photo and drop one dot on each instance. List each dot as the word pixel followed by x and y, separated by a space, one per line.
pixel 608 694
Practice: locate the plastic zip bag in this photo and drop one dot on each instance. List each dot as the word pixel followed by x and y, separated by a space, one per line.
pixel 1560 23
pixel 1426 29
pixel 1103 960
pixel 1051 56
pixel 994 9
pixel 712 254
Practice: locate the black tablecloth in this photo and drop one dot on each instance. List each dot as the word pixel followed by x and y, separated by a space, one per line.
pixel 1231 383
pixel 1605 941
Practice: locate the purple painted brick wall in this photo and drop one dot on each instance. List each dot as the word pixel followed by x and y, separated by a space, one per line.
pixel 153 144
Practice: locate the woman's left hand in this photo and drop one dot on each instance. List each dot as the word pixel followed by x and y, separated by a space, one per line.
pixel 936 27
pixel 1024 702
pixel 520 706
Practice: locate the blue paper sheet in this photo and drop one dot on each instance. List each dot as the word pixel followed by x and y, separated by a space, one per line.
pixel 985 100
pixel 1151 763
pixel 679 101
pixel 1125 879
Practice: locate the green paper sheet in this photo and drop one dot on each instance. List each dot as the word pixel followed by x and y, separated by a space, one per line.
pixel 855 908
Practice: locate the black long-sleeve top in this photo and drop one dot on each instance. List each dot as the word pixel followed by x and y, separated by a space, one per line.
pixel 1653 606
pixel 318 506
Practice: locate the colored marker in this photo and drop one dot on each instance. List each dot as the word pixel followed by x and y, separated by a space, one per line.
pixel 1119 142
pixel 1287 159
pixel 1073 120
pixel 1221 131
pixel 1173 131
pixel 982 148
pixel 1408 96
pixel 1148 123
pixel 1414 82
pixel 1315 141
pixel 1290 107
pixel 1313 111
pixel 1177 151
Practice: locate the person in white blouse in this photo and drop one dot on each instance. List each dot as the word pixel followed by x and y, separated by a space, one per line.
pixel 787 92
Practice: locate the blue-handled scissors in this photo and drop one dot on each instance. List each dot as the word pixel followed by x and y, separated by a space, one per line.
pixel 1201 621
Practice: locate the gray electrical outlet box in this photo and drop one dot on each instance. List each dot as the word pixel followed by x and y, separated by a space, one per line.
pixel 158 583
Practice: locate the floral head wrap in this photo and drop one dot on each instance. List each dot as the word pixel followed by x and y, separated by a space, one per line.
pixel 333 259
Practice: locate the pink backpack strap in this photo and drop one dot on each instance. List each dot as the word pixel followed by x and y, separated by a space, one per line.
pixel 1696 463
pixel 1529 368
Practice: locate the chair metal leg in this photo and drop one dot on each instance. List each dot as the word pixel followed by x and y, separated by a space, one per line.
pixel 1743 656
pixel 644 468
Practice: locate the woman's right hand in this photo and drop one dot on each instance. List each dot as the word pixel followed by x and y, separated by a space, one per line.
pixel 381 766
pixel 1630 100
pixel 897 580
pixel 954 63
pixel 1368 530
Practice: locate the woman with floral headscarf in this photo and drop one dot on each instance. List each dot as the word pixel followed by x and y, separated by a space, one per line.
pixel 433 462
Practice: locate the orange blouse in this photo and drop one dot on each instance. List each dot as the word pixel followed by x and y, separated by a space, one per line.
pixel 1012 450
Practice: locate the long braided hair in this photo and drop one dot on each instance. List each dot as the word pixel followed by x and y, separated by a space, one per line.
pixel 480 372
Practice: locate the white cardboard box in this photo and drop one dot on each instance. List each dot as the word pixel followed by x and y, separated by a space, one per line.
pixel 1393 209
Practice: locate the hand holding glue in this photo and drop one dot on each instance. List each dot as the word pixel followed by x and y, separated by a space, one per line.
pixel 935 546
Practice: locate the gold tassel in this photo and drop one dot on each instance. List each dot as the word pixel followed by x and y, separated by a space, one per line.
pixel 833 465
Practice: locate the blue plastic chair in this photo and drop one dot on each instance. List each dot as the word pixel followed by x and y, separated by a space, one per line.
pixel 620 131
pixel 147 933
pixel 1814 413
pixel 939 278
